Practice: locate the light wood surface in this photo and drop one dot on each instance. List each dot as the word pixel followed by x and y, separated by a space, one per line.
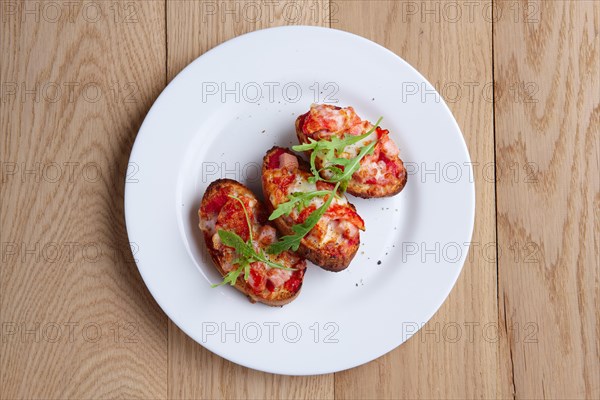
pixel 430 364
pixel 550 210
pixel 77 320
pixel 521 78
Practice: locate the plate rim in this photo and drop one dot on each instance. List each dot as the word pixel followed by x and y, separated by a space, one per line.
pixel 158 102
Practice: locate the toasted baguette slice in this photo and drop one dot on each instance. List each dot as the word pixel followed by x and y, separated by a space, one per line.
pixel 381 174
pixel 333 242
pixel 219 211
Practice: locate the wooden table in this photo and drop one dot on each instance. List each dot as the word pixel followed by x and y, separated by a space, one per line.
pixel 523 81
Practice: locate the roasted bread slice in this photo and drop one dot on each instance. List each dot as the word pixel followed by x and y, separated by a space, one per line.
pixel 381 174
pixel 221 209
pixel 334 240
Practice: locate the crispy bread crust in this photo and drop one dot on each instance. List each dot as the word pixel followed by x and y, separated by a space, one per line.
pixel 333 258
pixel 364 190
pixel 284 296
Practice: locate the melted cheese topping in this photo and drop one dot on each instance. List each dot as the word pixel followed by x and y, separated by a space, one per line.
pixel 333 225
pixel 262 278
pixel 323 121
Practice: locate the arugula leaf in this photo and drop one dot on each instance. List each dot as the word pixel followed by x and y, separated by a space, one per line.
pixel 231 239
pixel 313 166
pixel 329 149
pixel 246 215
pixel 352 165
pixel 270 263
pixel 306 146
pixel 339 144
pixel 336 143
pixel 300 230
pixel 231 277
pixel 296 199
pixel 245 250
pixel 333 168
pixel 341 170
pixel 246 266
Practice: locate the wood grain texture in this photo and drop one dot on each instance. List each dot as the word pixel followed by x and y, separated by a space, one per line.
pixel 194 372
pixel 196 27
pixel 77 320
pixel 551 136
pixel 443 360
pixel 522 79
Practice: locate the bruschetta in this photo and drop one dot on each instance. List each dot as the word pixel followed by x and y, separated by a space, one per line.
pixel 334 240
pixel 381 173
pixel 227 208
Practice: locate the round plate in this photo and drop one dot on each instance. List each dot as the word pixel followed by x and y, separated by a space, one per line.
pixel 217 119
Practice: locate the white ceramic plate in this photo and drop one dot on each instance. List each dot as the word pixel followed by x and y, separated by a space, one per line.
pixel 218 117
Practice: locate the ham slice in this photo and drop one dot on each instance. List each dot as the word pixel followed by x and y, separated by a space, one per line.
pixel 288 161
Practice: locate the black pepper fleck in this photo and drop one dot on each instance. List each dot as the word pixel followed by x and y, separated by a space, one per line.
pixel 379 262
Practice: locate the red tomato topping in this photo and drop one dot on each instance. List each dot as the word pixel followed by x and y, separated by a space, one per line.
pixel 293 284
pixel 257 279
pixel 337 211
pixel 216 202
pixel 381 132
pixel 324 185
pixel 351 240
pixel 305 213
pixel 329 118
pixel 282 182
pixel 232 218
pixel 273 160
pixel 391 166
